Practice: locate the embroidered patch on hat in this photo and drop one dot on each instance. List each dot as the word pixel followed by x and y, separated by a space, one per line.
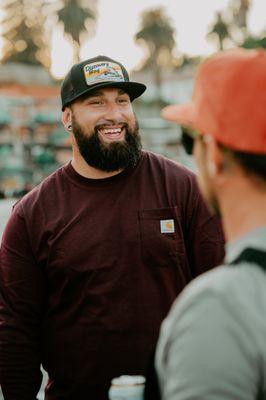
pixel 167 226
pixel 103 71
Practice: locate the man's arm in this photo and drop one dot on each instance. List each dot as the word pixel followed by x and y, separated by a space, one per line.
pixel 204 238
pixel 21 308
pixel 204 353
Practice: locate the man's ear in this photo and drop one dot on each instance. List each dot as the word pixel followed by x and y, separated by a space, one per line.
pixel 214 156
pixel 67 119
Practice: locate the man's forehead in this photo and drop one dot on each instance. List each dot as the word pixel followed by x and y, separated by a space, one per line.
pixel 103 91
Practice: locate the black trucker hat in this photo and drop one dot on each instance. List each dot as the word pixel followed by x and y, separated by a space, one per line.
pixel 97 72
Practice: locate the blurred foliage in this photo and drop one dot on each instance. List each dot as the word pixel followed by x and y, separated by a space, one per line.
pixel 230 27
pixel 254 42
pixel 23 27
pixel 78 20
pixel 156 34
pixel 27 27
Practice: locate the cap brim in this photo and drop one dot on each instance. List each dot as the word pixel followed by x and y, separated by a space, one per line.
pixel 183 114
pixel 134 90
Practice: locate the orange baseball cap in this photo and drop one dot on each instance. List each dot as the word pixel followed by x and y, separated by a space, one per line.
pixel 229 100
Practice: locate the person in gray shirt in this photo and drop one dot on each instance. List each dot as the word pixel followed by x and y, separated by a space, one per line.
pixel 212 345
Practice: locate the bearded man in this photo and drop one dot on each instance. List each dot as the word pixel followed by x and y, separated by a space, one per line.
pixel 92 258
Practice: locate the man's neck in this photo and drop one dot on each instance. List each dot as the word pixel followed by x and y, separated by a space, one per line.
pixel 243 208
pixel 83 169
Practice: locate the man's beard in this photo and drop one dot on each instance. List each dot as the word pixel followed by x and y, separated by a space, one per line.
pixel 214 205
pixel 108 157
pixel 204 178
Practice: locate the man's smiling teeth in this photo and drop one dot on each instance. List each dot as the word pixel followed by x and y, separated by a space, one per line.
pixel 110 131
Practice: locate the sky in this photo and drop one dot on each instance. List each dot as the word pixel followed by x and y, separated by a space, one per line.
pixel 119 20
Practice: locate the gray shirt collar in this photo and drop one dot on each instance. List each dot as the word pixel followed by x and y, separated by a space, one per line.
pixel 255 239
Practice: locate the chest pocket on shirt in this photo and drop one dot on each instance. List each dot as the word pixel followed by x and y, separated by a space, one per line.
pixel 161 236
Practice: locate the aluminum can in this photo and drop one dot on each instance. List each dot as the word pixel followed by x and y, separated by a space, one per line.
pixel 127 387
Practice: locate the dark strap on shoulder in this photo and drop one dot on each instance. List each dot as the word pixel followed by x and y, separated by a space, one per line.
pixel 252 255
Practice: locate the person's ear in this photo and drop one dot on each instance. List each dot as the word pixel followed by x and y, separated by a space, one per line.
pixel 67 119
pixel 214 156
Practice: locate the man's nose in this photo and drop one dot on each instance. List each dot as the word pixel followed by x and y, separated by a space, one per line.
pixel 113 112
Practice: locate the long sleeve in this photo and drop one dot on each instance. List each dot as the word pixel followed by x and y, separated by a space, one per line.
pixel 204 238
pixel 21 308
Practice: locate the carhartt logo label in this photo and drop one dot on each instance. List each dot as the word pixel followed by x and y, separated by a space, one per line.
pixel 103 71
pixel 167 226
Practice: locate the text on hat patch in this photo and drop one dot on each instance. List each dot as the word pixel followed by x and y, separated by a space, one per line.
pixel 103 71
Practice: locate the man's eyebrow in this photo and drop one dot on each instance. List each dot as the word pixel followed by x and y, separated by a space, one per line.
pixel 121 91
pixel 96 93
pixel 101 93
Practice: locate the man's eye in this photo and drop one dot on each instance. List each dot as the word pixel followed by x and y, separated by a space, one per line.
pixel 123 100
pixel 96 102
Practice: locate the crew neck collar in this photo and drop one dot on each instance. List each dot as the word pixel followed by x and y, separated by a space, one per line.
pixel 82 180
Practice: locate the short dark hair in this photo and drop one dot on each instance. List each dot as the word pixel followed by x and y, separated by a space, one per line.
pixel 252 163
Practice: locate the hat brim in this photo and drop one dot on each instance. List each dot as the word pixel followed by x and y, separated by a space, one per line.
pixel 182 114
pixel 134 90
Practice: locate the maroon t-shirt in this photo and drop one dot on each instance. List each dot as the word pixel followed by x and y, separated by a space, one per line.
pixel 89 268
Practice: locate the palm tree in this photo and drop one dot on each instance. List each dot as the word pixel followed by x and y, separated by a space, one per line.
pixel 220 29
pixel 157 35
pixel 23 32
pixel 74 16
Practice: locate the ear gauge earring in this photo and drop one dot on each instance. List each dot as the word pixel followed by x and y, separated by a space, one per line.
pixel 69 128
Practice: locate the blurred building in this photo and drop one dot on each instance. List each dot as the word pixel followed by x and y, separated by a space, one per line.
pixel 159 135
pixel 177 84
pixel 32 141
